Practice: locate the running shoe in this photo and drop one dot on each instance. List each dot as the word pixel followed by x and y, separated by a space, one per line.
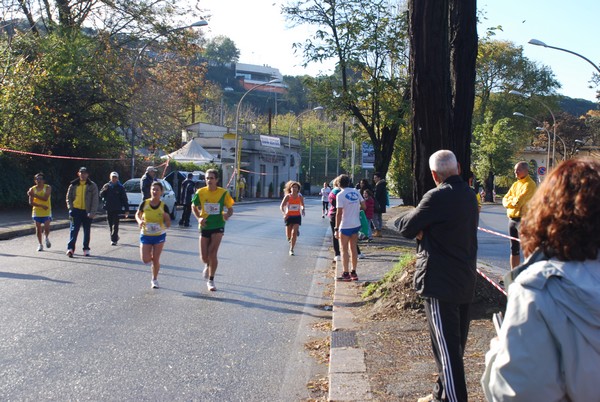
pixel 154 284
pixel 345 277
pixel 337 258
pixel 291 251
pixel 113 243
pixel 48 244
pixel 70 253
pixel 40 248
pixel 205 272
pixel 361 256
pixel 86 253
pixel 211 285
pixel 354 276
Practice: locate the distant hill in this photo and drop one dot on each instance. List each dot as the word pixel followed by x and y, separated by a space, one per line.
pixel 576 107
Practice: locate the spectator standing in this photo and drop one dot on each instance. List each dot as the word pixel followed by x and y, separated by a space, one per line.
pixel 153 219
pixel 147 180
pixel 548 346
pixel 188 189
pixel 41 211
pixel 380 196
pixel 445 226
pixel 349 203
pixel 115 202
pixel 324 193
pixel 82 202
pixel 209 204
pixel 369 209
pixel 515 202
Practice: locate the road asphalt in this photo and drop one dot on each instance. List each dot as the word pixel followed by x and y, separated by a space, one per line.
pixel 348 380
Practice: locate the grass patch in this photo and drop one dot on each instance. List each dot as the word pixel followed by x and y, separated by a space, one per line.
pixel 382 287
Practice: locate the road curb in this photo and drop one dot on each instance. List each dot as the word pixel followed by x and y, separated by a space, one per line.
pixel 29 229
pixel 348 379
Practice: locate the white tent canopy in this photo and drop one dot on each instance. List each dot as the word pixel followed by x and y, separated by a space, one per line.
pixel 191 152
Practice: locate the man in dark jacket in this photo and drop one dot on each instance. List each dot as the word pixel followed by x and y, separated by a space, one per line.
pixel 381 197
pixel 147 180
pixel 187 191
pixel 82 202
pixel 115 202
pixel 445 225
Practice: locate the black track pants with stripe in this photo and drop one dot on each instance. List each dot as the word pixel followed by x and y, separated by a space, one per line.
pixel 448 327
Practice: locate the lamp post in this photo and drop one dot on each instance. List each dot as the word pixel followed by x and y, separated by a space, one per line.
pixel 558 136
pixel 238 154
pixel 296 119
pixel 200 23
pixel 540 43
pixel 553 121
pixel 547 133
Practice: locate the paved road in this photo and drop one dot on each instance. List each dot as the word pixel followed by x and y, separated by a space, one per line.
pixel 493 249
pixel 91 328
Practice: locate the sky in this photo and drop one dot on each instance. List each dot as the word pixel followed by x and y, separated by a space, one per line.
pixel 265 38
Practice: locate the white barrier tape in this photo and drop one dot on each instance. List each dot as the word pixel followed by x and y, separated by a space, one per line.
pixel 498 234
pixel 494 284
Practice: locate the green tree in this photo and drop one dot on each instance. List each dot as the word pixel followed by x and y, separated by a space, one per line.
pixel 368 42
pixel 501 67
pixel 495 144
pixel 221 50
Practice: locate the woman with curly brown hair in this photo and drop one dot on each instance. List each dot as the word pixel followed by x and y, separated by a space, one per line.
pixel 548 347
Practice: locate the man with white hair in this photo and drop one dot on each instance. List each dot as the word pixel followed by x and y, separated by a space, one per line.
pixel 445 226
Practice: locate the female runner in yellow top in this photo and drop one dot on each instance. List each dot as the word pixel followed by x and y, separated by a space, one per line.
pixel 153 218
pixel 212 206
pixel 39 199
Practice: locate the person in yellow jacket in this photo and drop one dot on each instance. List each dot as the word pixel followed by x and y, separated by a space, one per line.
pixel 41 212
pixel 153 219
pixel 515 202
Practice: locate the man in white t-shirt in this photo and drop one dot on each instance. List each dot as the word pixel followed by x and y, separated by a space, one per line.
pixel 349 202
pixel 324 193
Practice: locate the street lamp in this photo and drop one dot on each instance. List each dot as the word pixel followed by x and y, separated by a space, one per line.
pixel 200 23
pixel 561 140
pixel 290 133
pixel 553 121
pixel 547 133
pixel 540 43
pixel 238 154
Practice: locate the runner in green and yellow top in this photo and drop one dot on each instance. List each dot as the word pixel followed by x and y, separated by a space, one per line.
pixel 39 199
pixel 153 218
pixel 212 206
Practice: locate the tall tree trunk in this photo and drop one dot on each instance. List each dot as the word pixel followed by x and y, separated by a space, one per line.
pixel 443 38
pixel 463 57
pixel 430 86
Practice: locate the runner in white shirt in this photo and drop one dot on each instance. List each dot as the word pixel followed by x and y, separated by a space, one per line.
pixel 349 202
pixel 324 193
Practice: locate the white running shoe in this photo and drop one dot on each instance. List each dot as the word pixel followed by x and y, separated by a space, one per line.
pixel 70 253
pixel 361 256
pixel 48 244
pixel 291 251
pixel 154 284
pixel 86 253
pixel 40 248
pixel 205 272
pixel 211 285
pixel 337 258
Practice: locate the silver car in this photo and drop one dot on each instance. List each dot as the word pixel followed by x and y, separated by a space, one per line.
pixel 134 196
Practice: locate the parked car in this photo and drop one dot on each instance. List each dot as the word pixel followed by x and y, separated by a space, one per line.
pixel 134 196
pixel 175 178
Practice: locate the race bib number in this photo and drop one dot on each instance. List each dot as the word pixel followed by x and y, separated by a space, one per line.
pixel 153 228
pixel 293 207
pixel 212 208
